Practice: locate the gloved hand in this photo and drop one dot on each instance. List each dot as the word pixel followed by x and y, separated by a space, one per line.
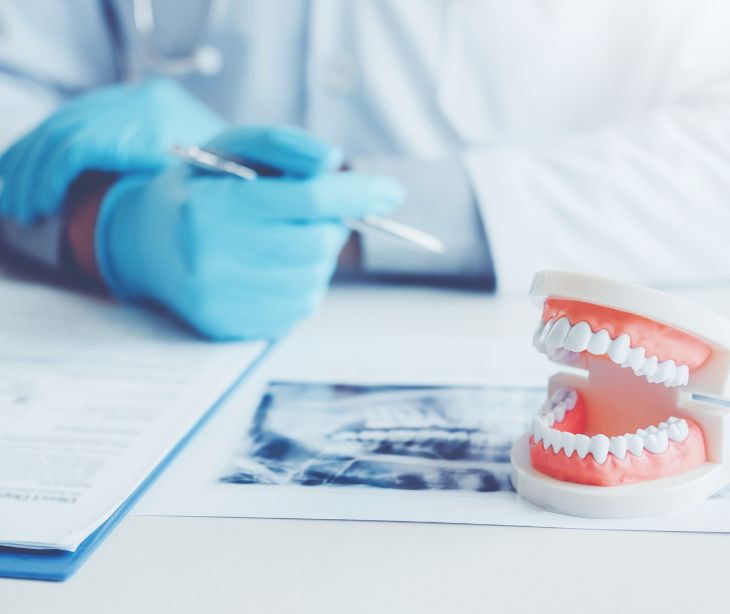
pixel 235 258
pixel 120 128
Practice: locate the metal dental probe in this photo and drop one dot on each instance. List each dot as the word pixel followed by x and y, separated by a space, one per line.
pixel 216 163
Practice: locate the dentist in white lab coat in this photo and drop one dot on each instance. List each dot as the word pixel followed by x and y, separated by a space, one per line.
pixel 529 134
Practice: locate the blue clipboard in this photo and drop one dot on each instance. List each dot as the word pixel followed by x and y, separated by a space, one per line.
pixel 60 565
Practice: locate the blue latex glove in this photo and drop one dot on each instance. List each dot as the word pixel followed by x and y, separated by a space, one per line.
pixel 235 258
pixel 121 128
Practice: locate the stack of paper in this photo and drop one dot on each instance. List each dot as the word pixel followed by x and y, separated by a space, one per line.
pixel 93 396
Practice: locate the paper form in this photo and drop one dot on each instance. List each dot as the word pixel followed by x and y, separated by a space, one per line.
pixel 93 396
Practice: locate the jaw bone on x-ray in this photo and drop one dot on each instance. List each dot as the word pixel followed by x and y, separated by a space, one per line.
pixel 402 437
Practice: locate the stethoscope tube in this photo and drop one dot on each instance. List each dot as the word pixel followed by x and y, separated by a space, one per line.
pixel 204 60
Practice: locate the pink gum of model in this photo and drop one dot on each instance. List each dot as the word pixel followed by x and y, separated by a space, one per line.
pixel 659 340
pixel 679 457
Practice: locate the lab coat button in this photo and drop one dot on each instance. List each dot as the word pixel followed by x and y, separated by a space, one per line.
pixel 340 74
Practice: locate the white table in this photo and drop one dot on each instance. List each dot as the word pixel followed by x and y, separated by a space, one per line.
pixel 240 565
pixel 168 565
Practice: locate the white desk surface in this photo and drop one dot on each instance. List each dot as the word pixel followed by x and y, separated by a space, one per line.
pixel 165 564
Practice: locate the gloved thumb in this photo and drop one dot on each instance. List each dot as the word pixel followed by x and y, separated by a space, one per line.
pixel 284 149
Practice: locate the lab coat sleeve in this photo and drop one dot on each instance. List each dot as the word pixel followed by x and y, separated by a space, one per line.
pixel 49 51
pixel 439 201
pixel 647 200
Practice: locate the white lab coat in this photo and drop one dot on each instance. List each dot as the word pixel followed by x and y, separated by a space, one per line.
pixel 595 135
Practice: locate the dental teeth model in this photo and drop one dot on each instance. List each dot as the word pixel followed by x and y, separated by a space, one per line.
pixel 627 438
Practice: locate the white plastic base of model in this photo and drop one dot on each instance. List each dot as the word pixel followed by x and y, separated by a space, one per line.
pixel 652 498
pixel 616 400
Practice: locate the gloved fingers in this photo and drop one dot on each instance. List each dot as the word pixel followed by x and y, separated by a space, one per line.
pixel 154 240
pixel 327 197
pixel 21 170
pixel 41 164
pixel 120 128
pixel 128 150
pixel 10 198
pixel 268 244
pixel 102 98
pixel 259 319
pixel 27 168
pixel 289 150
pixel 250 310
pixel 89 133
pixel 161 99
pixel 236 280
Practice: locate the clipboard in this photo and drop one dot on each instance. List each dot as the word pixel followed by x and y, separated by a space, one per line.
pixel 59 565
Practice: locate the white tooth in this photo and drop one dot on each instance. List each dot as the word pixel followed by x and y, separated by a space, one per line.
pixel 663 426
pixel 672 419
pixel 634 444
pixel 578 337
pixel 665 371
pixel 561 355
pixel 619 349
pixel 582 443
pixel 571 399
pixel 651 429
pixel 554 438
pixel 559 411
pixel 548 418
pixel 545 332
pixel 599 448
pixel 599 342
pixel 558 333
pixel 568 443
pixel 560 395
pixel 618 446
pixel 538 331
pixel 681 376
pixel 537 429
pixel 650 443
pixel 678 430
pixel 648 368
pixel 546 438
pixel 657 442
pixel 635 358
pixel 674 432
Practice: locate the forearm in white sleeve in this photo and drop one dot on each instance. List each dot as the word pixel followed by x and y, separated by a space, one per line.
pixel 439 201
pixel 646 201
pixel 48 51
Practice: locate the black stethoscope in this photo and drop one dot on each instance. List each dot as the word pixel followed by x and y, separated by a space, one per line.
pixel 202 59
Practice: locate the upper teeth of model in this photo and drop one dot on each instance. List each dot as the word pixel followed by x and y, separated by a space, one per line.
pixel 559 335
pixel 654 439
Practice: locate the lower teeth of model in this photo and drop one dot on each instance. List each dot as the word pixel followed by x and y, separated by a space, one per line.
pixel 654 439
